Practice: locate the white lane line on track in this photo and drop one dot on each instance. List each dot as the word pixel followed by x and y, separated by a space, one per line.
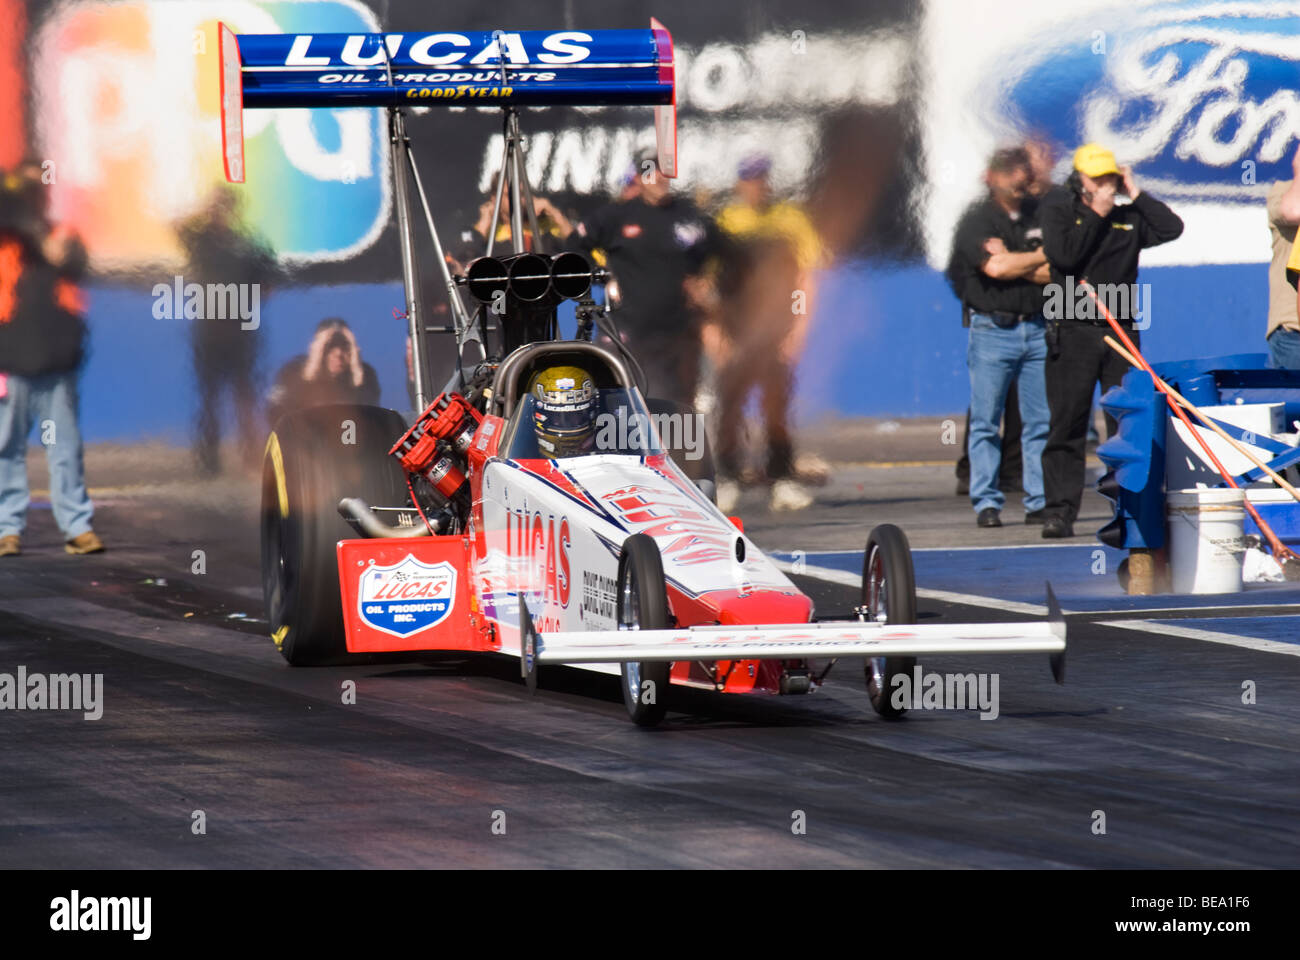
pixel 1246 611
pixel 993 603
pixel 1253 643
pixel 1209 636
pixel 853 580
pixel 1009 546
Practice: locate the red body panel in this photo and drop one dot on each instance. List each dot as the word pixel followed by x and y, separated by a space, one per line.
pixel 406 582
pixel 732 607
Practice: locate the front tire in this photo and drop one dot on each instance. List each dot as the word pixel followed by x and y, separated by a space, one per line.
pixel 888 596
pixel 643 605
pixel 314 458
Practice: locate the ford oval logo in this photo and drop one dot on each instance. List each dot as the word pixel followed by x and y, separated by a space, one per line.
pixel 1200 97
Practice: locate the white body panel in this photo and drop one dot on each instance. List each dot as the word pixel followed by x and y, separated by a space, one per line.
pixel 560 539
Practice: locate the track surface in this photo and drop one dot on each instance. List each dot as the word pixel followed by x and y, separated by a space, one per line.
pixel 202 714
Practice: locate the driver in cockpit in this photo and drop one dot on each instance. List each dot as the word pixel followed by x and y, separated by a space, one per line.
pixel 566 405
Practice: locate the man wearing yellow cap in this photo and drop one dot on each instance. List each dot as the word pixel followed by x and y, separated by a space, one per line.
pixel 1095 226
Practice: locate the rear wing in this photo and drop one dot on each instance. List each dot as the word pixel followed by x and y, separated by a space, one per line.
pixel 475 68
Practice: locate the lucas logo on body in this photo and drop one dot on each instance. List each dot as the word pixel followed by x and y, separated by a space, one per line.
pixel 406 597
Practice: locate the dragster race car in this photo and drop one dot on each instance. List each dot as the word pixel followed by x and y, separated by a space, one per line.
pixel 500 520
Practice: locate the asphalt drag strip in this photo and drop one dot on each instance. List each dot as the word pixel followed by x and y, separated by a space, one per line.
pixel 212 752
pixel 204 717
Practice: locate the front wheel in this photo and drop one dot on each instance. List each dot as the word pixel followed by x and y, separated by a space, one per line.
pixel 643 605
pixel 888 596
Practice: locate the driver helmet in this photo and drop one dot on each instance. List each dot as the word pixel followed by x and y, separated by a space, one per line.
pixel 565 406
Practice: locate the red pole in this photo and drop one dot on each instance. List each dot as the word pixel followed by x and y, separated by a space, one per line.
pixel 1137 354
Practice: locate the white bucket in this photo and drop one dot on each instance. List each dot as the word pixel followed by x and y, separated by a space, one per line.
pixel 1206 545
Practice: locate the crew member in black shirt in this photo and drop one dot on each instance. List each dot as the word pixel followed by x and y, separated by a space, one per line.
pixel 997 269
pixel 652 242
pixel 1094 227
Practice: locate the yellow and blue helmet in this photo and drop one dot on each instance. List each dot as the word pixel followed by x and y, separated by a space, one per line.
pixel 566 404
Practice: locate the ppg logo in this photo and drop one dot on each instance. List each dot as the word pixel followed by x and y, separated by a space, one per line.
pixel 126 97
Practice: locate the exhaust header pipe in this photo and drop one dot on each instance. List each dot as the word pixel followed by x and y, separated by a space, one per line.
pixel 530 278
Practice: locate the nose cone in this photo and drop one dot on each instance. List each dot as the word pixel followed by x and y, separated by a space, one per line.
pixel 757 606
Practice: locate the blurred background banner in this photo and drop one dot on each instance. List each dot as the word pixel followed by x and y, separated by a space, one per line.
pixel 878 117
pixel 1202 99
pixel 125 104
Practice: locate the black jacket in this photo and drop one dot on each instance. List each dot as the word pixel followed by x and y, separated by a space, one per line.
pixel 651 249
pixel 41 326
pixel 976 289
pixel 1082 245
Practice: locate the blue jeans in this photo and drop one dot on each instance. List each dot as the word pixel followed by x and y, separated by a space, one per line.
pixel 996 357
pixel 1284 348
pixel 48 402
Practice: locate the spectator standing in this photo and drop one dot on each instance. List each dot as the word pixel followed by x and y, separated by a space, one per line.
pixel 999 268
pixel 1094 228
pixel 765 291
pixel 42 345
pixel 653 242
pixel 1283 334
pixel 225 354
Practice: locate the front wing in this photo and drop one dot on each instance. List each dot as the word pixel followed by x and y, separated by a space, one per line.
pixel 849 638
pixel 784 641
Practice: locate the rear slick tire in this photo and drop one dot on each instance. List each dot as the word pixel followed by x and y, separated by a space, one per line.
pixel 314 458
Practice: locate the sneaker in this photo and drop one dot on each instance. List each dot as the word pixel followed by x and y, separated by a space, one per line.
pixel 989 517
pixel 810 468
pixel 87 542
pixel 1035 516
pixel 728 496
pixel 10 545
pixel 789 495
pixel 1057 527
